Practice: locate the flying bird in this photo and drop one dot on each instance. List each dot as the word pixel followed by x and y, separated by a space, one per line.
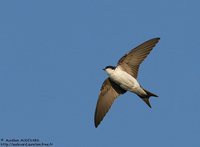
pixel 123 78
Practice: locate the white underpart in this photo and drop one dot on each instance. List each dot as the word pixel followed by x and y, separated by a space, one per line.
pixel 125 80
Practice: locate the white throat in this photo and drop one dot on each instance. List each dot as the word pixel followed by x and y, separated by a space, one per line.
pixel 109 71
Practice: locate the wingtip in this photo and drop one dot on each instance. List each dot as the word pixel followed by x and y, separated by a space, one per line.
pixel 157 38
pixel 96 125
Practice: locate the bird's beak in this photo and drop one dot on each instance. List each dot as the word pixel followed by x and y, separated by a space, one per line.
pixel 104 69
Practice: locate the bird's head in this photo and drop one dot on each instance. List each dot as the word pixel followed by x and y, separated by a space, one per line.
pixel 109 69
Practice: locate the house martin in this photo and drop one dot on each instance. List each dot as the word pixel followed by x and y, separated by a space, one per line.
pixel 123 78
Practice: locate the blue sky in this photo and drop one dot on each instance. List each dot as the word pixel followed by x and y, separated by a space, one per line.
pixel 51 59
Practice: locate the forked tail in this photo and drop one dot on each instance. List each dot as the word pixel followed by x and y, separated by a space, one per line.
pixel 146 97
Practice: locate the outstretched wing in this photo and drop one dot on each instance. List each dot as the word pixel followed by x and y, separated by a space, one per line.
pixel 132 60
pixel 108 93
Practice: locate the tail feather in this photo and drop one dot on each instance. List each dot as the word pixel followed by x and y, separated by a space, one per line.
pixel 149 93
pixel 145 98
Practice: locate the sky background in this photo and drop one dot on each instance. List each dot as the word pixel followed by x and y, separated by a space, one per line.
pixel 51 59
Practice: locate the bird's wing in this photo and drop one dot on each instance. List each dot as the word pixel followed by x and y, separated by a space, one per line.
pixel 131 61
pixel 108 93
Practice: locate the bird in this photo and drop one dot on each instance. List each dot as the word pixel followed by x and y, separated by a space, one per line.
pixel 123 78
